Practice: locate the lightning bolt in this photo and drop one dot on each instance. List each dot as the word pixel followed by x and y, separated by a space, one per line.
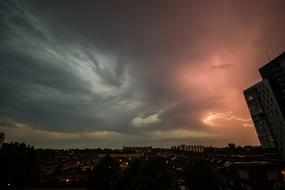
pixel 225 116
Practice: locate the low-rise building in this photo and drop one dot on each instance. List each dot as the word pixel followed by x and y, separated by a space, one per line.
pixel 137 149
pixel 250 175
pixel 189 148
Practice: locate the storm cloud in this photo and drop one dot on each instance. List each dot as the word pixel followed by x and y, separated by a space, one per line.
pixel 114 73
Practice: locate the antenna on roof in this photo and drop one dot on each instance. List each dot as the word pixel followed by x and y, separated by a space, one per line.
pixel 267 55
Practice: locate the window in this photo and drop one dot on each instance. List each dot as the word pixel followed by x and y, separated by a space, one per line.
pixel 250 98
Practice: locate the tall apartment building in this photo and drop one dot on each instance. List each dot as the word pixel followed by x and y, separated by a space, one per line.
pixel 266 103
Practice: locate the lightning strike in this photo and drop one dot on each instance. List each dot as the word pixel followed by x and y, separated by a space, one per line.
pixel 225 116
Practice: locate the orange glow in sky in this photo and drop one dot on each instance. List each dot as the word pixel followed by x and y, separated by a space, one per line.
pixel 210 120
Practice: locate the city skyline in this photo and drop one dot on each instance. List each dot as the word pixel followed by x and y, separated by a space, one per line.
pixel 111 74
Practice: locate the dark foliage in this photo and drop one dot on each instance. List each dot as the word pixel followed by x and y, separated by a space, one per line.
pixel 279 185
pixel 150 174
pixel 198 176
pixel 105 175
pixel 19 165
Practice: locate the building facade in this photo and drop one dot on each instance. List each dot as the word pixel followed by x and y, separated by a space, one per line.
pixel 137 149
pixel 265 102
pixel 189 148
pixel 253 175
pixel 274 72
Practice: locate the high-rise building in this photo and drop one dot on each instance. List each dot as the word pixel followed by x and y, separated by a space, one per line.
pixel 274 72
pixel 266 103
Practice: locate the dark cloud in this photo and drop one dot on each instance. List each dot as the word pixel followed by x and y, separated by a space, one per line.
pixel 223 66
pixel 43 90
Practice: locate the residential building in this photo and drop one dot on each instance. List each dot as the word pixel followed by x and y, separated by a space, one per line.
pixel 137 149
pixel 266 103
pixel 250 175
pixel 189 148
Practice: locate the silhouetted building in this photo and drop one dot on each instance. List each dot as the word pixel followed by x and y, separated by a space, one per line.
pixel 266 103
pixel 189 148
pixel 2 138
pixel 137 149
pixel 253 175
pixel 255 98
pixel 274 72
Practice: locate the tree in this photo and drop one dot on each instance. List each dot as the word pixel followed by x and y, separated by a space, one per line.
pixel 198 176
pixel 150 174
pixel 105 175
pixel 279 185
pixel 19 165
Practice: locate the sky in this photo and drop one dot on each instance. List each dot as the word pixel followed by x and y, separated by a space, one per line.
pixel 88 74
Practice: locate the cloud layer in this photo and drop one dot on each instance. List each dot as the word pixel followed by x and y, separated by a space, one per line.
pixel 108 74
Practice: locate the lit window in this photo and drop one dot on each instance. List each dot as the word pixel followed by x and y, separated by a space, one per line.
pixel 250 98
